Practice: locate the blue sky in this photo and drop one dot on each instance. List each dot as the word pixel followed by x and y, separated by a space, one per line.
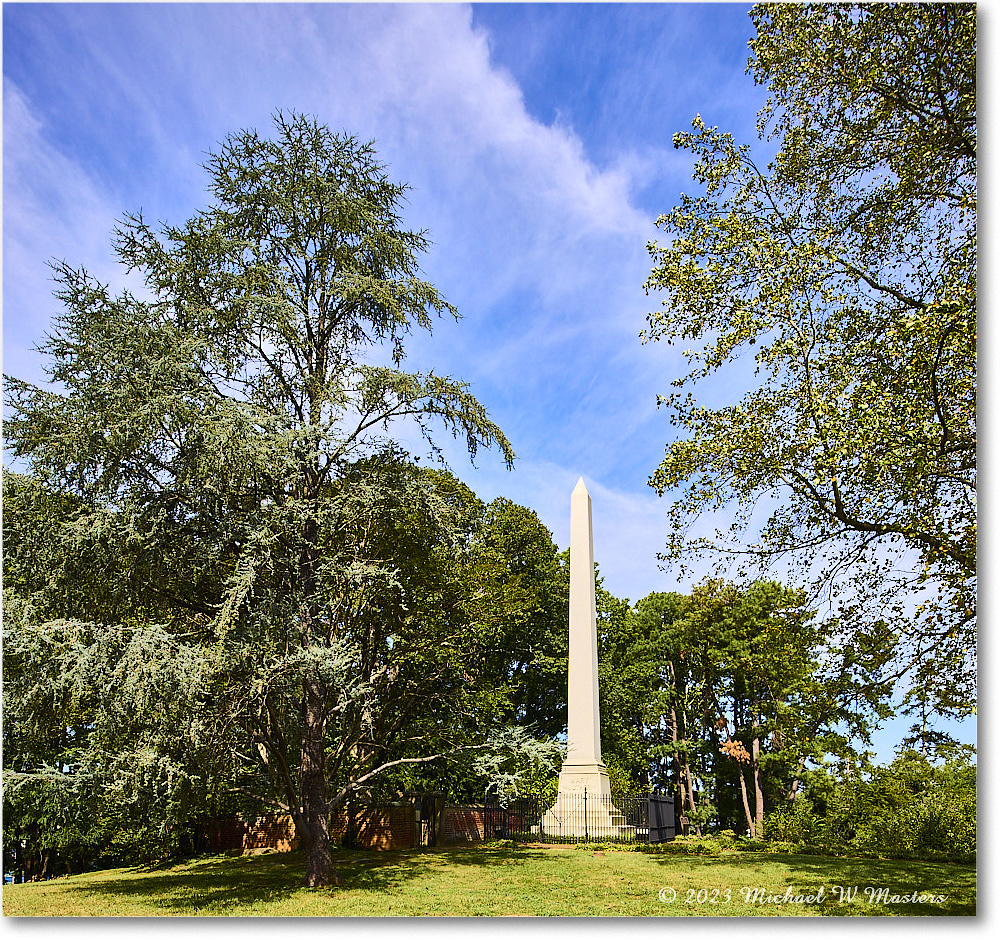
pixel 536 139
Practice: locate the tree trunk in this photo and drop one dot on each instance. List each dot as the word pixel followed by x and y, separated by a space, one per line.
pixel 746 801
pixel 320 872
pixel 794 788
pixel 674 736
pixel 31 854
pixel 46 860
pixel 758 784
pixel 690 794
pixel 684 780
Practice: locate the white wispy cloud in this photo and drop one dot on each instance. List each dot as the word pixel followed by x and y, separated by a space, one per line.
pixel 53 210
pixel 541 247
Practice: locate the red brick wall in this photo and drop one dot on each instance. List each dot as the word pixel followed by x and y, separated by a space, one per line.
pixel 463 824
pixel 379 827
pixel 248 835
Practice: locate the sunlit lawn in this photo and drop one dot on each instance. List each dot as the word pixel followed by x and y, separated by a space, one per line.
pixel 525 880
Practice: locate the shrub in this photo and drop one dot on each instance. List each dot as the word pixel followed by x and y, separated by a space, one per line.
pixel 687 845
pixel 909 809
pixel 796 823
pixel 726 838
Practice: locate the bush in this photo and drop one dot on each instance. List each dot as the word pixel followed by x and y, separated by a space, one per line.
pixel 607 846
pixel 909 809
pixel 502 844
pixel 796 823
pixel 726 838
pixel 687 845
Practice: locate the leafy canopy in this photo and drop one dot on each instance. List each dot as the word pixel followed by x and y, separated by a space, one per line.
pixel 845 271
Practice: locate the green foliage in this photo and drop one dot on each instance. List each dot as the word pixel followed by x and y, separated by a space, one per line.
pixel 911 808
pixel 474 654
pixel 845 272
pixel 689 845
pixel 627 681
pixel 908 809
pixel 108 755
pixel 796 823
pixel 213 483
pixel 728 697
pixel 726 838
pixel 514 762
pixel 522 592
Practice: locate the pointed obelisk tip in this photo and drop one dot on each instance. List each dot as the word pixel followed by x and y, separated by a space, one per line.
pixel 580 486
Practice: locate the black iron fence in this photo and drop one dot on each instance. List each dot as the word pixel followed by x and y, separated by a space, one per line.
pixel 582 817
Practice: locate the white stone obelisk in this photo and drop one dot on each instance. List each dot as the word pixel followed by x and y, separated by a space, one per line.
pixel 583 767
pixel 583 806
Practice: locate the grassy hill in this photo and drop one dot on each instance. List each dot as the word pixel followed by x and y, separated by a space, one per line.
pixel 521 880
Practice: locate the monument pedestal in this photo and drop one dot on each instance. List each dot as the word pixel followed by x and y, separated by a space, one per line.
pixel 583 807
pixel 575 778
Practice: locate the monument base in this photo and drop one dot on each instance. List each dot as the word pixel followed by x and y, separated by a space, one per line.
pixel 584 808
pixel 575 778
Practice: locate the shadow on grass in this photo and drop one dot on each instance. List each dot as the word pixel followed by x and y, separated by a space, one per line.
pixel 206 883
pixel 217 883
pixel 866 877
pixel 385 871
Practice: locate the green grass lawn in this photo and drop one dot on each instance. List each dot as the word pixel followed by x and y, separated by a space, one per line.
pixel 523 880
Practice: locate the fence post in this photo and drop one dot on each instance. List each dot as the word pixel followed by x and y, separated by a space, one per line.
pixel 586 833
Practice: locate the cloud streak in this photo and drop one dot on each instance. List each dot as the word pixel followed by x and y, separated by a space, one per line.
pixel 540 244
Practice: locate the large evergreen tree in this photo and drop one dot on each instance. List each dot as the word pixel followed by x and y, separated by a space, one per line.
pixel 227 442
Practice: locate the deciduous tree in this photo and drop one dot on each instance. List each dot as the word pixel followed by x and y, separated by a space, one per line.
pixel 730 694
pixel 845 271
